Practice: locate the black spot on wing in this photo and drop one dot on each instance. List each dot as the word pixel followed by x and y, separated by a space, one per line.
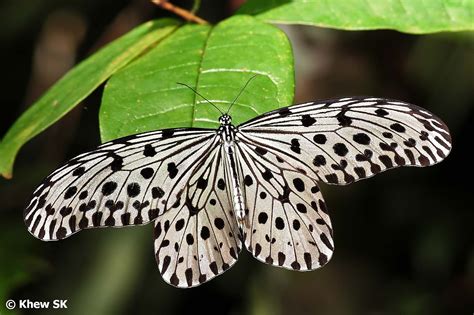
pixel 172 170
pixel 157 192
pixel 279 223
pixel 397 127
pixel 167 133
pixel 295 146
pixel 343 120
pixel 307 120
pixel 262 218
pixel 299 184
pixel 320 139
pixel 248 181
pixel 133 190
pixel 267 175
pixel 340 149
pixel 147 172
pixel 205 233
pixel 260 151
pixel 361 138
pixel 117 162
pixel 283 112
pixel 149 151
pixel 79 171
pixel 221 184
pixel 381 112
pixel 70 192
pixel 319 160
pixel 219 223
pixel 201 183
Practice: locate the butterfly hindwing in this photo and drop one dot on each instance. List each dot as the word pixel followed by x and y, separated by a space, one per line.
pixel 288 225
pixel 199 238
pixel 128 181
pixel 349 139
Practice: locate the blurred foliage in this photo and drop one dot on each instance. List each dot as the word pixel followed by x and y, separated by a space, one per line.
pixel 17 267
pixel 404 240
pixel 76 85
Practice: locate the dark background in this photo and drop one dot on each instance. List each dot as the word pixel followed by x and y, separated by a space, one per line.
pixel 404 239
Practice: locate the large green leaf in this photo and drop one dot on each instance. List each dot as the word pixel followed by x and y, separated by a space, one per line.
pixel 78 84
pixel 216 61
pixel 410 16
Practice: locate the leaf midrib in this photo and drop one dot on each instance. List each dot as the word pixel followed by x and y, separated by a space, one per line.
pixel 199 72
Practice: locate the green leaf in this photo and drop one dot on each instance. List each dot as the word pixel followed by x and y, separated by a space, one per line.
pixel 216 61
pixel 77 84
pixel 410 16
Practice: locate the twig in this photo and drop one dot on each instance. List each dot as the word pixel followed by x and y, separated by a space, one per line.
pixel 196 5
pixel 185 14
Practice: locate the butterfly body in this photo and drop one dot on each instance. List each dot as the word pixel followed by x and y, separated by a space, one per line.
pixel 212 192
pixel 227 133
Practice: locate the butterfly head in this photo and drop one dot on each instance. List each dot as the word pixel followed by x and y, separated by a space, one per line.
pixel 225 119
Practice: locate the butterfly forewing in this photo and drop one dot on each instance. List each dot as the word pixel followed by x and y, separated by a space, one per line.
pixel 350 139
pixel 128 181
pixel 199 238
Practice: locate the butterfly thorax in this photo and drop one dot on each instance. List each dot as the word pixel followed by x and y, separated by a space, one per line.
pixel 227 133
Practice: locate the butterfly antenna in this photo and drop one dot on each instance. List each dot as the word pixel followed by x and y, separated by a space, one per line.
pixel 222 113
pixel 238 95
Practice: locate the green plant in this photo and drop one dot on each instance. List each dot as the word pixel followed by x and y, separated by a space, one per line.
pixel 143 66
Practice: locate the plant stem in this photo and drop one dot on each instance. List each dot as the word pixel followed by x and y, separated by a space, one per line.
pixel 185 14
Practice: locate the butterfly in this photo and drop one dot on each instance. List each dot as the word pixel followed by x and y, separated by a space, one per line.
pixel 212 192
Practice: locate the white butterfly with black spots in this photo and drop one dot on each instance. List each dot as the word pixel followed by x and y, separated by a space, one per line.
pixel 213 191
